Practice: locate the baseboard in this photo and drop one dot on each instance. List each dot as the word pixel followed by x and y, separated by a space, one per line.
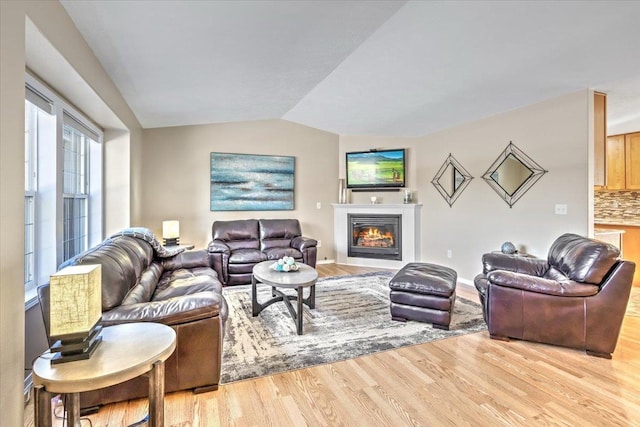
pixel 326 261
pixel 466 282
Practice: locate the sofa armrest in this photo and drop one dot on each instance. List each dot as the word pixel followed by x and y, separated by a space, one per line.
pixel 515 263
pixel 301 243
pixel 218 246
pixel 187 259
pixel 540 285
pixel 172 311
pixel 219 253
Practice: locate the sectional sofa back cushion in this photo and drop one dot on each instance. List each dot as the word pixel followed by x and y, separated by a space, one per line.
pixel 143 291
pixel 278 233
pixel 238 234
pixel 124 260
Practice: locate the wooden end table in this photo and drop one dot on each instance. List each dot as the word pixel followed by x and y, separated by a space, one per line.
pixel 127 351
pixel 305 277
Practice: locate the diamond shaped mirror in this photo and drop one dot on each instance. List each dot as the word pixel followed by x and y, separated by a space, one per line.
pixel 451 180
pixel 512 174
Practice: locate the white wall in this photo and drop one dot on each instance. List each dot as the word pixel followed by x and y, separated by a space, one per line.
pixel 11 212
pixel 41 35
pixel 176 176
pixel 554 133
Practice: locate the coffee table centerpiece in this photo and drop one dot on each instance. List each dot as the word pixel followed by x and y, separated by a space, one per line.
pixel 285 264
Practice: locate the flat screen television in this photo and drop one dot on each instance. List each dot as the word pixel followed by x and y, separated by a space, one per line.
pixel 376 169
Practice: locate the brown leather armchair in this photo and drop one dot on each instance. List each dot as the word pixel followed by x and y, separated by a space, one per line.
pixel 575 298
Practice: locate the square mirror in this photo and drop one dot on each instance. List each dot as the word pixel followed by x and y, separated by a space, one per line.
pixel 451 180
pixel 512 174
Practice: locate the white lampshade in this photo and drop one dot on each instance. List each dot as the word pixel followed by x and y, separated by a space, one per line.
pixel 170 229
pixel 75 301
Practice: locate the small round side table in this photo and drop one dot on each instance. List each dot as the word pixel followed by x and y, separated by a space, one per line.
pixel 127 351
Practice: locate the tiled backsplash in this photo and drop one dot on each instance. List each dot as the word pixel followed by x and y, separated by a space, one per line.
pixel 617 204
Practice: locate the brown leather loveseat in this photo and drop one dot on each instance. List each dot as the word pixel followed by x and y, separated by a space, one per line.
pixel 145 282
pixel 238 245
pixel 576 298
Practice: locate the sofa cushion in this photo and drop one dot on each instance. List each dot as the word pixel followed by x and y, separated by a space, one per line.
pixel 245 256
pixel 239 234
pixel 278 232
pixel 277 253
pixel 186 282
pixel 143 291
pixel 241 269
pixel 581 259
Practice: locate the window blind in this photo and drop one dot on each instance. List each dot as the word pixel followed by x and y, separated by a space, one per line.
pixel 69 120
pixel 38 99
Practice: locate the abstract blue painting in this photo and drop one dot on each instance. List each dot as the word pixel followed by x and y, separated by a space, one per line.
pixel 247 182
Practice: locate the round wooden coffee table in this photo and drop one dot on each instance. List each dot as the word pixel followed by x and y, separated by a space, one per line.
pixel 127 351
pixel 305 277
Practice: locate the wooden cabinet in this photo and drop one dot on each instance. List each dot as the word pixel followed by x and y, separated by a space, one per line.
pixel 599 138
pixel 623 162
pixel 632 154
pixel 616 164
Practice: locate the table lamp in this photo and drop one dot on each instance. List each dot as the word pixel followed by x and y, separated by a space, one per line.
pixel 170 232
pixel 75 312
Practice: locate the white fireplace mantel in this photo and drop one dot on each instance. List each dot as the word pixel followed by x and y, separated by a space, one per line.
pixel 410 232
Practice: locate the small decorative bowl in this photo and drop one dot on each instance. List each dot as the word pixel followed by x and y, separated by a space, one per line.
pixel 285 264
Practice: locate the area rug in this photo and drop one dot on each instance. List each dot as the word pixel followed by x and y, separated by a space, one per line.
pixel 351 319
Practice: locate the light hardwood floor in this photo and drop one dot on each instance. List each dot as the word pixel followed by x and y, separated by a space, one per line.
pixel 464 381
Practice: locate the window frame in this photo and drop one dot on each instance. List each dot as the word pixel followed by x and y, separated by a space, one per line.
pixel 48 195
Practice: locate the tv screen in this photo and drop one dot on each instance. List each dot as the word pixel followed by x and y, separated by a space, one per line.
pixel 376 169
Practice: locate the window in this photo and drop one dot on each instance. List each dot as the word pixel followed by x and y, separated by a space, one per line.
pixel 63 184
pixel 38 109
pixel 75 188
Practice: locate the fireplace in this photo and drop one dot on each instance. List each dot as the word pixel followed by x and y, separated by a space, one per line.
pixel 375 236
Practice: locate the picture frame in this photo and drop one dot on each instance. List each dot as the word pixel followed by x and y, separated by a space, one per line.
pixel 251 182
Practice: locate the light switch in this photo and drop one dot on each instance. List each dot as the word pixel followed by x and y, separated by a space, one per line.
pixel 318 205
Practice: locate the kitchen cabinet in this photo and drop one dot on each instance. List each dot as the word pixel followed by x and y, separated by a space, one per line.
pixel 599 138
pixel 632 155
pixel 616 163
pixel 623 162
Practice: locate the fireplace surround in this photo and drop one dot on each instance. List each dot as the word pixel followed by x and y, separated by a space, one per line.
pixel 375 236
pixel 409 232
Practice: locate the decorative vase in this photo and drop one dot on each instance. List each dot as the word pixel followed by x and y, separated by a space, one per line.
pixel 342 191
pixel 508 248
pixel 407 196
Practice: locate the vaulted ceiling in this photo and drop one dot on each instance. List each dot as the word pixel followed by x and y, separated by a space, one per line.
pixel 390 68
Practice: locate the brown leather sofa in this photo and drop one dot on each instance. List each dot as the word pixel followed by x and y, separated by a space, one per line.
pixel 575 298
pixel 238 245
pixel 181 290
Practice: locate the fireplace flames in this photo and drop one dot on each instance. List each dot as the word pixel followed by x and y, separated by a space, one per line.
pixel 372 237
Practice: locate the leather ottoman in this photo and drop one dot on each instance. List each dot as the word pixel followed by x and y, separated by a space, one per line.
pixel 425 293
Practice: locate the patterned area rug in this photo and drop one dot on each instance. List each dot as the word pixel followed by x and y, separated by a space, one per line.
pixel 351 319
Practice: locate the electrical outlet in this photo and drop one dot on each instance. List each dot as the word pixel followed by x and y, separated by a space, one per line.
pixel 561 209
pixel 319 245
pixel 449 253
pixel 318 205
